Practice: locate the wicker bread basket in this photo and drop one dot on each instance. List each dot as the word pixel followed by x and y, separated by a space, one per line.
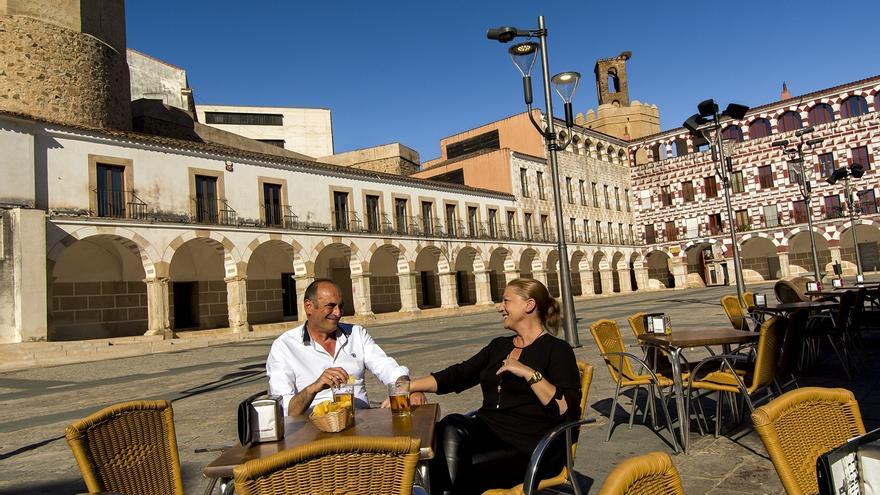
pixel 331 422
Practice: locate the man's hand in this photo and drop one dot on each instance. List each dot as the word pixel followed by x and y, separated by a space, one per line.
pixel 331 377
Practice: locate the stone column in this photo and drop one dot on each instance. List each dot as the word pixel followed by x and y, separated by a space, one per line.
pixel 236 302
pixel 448 293
pixel 540 276
pixel 642 279
pixel 360 292
pixel 607 277
pixel 587 288
pixel 784 267
pixel 625 282
pixel 483 289
pixel 302 282
pixel 510 275
pixel 679 272
pixel 731 273
pixel 409 300
pixel 158 321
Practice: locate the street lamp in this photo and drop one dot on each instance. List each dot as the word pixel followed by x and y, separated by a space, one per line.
pixel 708 120
pixel 856 170
pixel 796 158
pixel 565 83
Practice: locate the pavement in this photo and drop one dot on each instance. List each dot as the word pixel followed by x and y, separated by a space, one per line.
pixel 205 385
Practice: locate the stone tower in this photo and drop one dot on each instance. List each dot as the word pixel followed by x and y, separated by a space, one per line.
pixel 65 60
pixel 618 116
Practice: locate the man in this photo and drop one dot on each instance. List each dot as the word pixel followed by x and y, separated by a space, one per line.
pixel 306 361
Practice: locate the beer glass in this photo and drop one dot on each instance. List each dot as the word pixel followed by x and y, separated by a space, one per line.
pixel 344 394
pixel 398 395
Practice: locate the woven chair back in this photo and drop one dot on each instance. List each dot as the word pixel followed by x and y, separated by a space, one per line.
pixel 649 474
pixel 769 345
pixel 586 374
pixel 607 336
pixel 787 292
pixel 128 448
pixel 637 324
pixel 349 465
pixel 802 424
pixel 734 311
pixel 749 299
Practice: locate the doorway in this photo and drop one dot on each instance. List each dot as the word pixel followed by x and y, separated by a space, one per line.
pixel 288 296
pixel 186 304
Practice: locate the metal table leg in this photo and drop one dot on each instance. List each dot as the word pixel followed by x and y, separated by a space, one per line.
pixel 683 417
pixel 422 469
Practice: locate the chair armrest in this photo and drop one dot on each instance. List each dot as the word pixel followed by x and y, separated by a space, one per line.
pixel 621 355
pixel 417 490
pixel 725 360
pixel 531 481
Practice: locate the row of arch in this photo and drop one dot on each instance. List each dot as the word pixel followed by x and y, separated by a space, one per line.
pixel 598 150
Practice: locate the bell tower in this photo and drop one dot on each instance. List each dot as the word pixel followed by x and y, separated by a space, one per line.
pixel 611 80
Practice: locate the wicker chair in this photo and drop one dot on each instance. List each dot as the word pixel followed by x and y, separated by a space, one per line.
pixel 128 448
pixel 789 291
pixel 649 474
pixel 749 299
pixel 801 425
pixel 737 315
pixel 350 465
pixel 610 343
pixel 586 374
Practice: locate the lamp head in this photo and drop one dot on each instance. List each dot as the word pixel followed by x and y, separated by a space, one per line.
pixel 565 84
pixel 524 56
pixel 857 170
pixel 835 176
pixel 736 111
pixel 503 34
pixel 694 122
pixel 707 108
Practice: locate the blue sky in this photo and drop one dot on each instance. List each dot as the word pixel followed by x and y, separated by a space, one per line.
pixel 414 72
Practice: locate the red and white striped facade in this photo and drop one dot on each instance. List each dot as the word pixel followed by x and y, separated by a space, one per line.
pixel 770 249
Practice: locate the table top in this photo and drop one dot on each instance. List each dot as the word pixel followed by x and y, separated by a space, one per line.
pixel 368 422
pixel 697 338
pixel 792 306
pixel 836 292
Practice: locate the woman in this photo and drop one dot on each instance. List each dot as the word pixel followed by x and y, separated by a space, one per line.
pixel 530 384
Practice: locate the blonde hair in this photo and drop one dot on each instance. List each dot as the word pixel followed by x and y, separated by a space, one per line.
pixel 548 307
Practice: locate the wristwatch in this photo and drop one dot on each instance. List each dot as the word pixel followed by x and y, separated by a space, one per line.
pixel 535 378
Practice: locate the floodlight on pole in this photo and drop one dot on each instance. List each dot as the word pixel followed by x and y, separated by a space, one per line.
pixel 856 171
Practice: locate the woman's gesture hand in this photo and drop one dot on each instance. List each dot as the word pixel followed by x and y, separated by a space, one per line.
pixel 515 367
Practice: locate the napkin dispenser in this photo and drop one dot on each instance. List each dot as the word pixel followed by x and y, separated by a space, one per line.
pixel 261 419
pixel 760 300
pixel 837 282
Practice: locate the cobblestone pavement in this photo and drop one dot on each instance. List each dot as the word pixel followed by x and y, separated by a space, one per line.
pixel 206 384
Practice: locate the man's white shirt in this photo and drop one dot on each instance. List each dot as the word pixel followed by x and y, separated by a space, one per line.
pixel 296 361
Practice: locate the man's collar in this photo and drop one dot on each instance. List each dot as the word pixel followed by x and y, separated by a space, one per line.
pixel 307 339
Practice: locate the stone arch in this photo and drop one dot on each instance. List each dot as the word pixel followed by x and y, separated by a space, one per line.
pixel 133 242
pixel 385 270
pixel 285 243
pixel 618 262
pixel 527 259
pixel 697 256
pixel 760 260
pixel 659 272
pixel 576 145
pixel 600 265
pixel 198 267
pixel 553 273
pixel 338 262
pixel 577 264
pixel 500 265
pixel 430 263
pixel 800 257
pixel 272 266
pixel 467 261
pixel 636 267
pixel 868 235
pixel 232 264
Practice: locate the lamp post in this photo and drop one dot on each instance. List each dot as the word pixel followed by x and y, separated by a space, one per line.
pixel 708 119
pixel 796 157
pixel 856 170
pixel 565 83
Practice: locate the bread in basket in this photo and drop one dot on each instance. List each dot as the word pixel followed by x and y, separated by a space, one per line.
pixel 330 417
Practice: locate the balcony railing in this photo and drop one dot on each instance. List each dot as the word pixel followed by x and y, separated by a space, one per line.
pixel 215 211
pixel 111 203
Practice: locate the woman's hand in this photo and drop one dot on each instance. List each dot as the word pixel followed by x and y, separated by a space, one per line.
pixel 515 367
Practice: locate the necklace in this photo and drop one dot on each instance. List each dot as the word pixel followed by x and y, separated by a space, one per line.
pixel 523 347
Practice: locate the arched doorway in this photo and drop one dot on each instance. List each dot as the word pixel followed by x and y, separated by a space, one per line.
pixel 271 283
pixel 499 261
pixel 384 281
pixel 696 258
pixel 197 291
pixel 525 263
pixel 577 287
pixel 616 260
pixel 869 240
pixel 659 274
pixel 759 260
pixel 428 285
pixel 334 262
pixel 553 281
pixel 465 281
pixel 800 257
pixel 635 264
pixel 599 263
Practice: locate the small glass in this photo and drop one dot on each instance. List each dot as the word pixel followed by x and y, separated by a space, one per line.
pixel 398 396
pixel 344 394
pixel 667 325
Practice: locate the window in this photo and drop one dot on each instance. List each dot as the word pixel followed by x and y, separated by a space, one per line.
pixel 472 220
pixel 736 182
pixel 486 141
pixel 493 223
pixel 832 206
pixel 569 191
pixel 598 232
pixel 545 228
pixel 428 217
pixel 511 224
pixel 711 187
pixel 799 211
pixel 671 232
pixel 541 186
pixel 340 210
pixel 826 164
pixel 620 233
pixel 645 200
pixel 524 182
pixel 450 220
pixel 765 177
pixel 400 215
pixel 820 114
pixel 626 198
pixel 595 195
pixel 617 197
pixel 527 225
pixel 759 128
pixel 867 202
pixel 716 226
pixel 665 196
pixel 607 202
pixel 650 236
pixel 610 233
pixel 742 220
pixel 572 229
pixel 235 118
pixel 853 107
pixel 860 155
pixel 771 216
pixel 687 191
pixel 583 192
pixel 206 199
pixel 789 121
pixel 680 146
pixel 630 238
pixel 587 230
pixel 272 204
pixel 110 190
pixel 734 132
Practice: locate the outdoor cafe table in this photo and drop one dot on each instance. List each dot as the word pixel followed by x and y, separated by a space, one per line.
pixel 786 308
pixel 299 431
pixel 679 340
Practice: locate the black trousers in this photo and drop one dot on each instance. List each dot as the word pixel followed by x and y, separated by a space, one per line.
pixel 470 459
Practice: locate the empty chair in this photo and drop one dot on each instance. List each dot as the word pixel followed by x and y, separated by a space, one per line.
pixel 350 465
pixel 788 292
pixel 658 360
pixel 652 473
pixel 128 448
pixel 749 300
pixel 736 313
pixel 801 425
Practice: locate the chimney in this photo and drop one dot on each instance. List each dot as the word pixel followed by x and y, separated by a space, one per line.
pixel 785 94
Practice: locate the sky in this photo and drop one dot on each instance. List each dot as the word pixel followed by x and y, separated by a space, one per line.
pixel 414 71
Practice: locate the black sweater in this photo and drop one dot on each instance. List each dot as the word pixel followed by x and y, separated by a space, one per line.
pixel 516 415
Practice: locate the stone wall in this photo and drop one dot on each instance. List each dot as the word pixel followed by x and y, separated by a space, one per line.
pixel 55 73
pixel 213 310
pixel 264 301
pixel 760 265
pixel 97 310
pixel 385 293
pixel 805 259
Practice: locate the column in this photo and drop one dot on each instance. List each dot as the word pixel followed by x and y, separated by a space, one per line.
pixel 448 293
pixel 679 272
pixel 409 301
pixel 731 272
pixel 483 288
pixel 784 269
pixel 510 275
pixel 302 282
pixel 587 282
pixel 642 279
pixel 236 302
pixel 158 322
pixel 540 276
pixel 607 277
pixel 360 292
pixel 623 278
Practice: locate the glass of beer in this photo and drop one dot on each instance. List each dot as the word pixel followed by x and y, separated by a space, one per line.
pixel 398 395
pixel 344 394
